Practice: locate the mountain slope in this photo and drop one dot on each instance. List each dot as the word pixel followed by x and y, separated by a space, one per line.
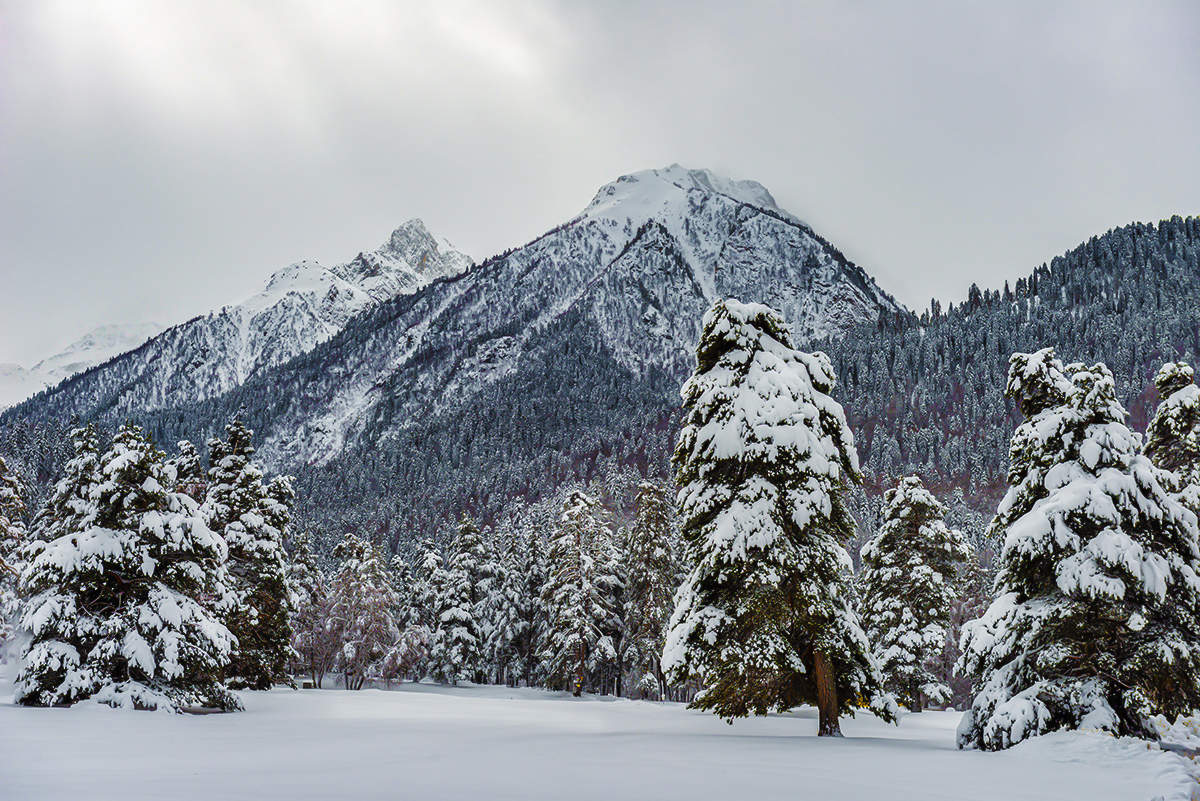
pixel 534 360
pixel 560 361
pixel 639 264
pixel 300 306
pixel 95 347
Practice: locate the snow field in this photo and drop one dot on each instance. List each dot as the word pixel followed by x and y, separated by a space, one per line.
pixel 430 742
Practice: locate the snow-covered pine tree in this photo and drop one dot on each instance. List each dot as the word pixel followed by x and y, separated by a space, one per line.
pixel 498 610
pixel 610 582
pixel 405 585
pixel 525 576
pixel 650 573
pixel 455 653
pixel 428 577
pixel 1096 621
pixel 489 601
pixel 1173 436
pixel 124 604
pixel 579 596
pixel 187 471
pixel 13 539
pixel 908 591
pixel 13 531
pixel 764 618
pixel 246 513
pixel 364 606
pixel 71 507
pixel 70 510
pixel 277 505
pixel 411 649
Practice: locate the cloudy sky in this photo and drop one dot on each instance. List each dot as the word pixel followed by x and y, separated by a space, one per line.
pixel 161 159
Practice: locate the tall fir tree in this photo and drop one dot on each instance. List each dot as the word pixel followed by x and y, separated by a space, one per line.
pixel 499 607
pixel 13 539
pixel 428 577
pixel 908 591
pixel 247 514
pixel 427 580
pixel 457 641
pixel 580 596
pixel 525 577
pixel 411 649
pixel 1096 621
pixel 124 603
pixel 650 573
pixel 764 618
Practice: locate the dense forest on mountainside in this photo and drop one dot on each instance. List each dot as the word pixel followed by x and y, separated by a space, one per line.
pixel 922 395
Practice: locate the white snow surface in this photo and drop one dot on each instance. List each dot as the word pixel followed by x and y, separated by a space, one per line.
pixel 427 742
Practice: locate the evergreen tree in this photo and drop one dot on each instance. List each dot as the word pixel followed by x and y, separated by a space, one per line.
pixel 186 471
pixel 579 596
pixel 908 589
pixel 1173 437
pixel 71 507
pixel 1096 621
pixel 124 604
pixel 455 652
pixel 277 504
pixel 428 577
pixel 13 537
pixel 427 583
pixel 411 649
pixel 404 583
pixel 525 576
pixel 499 611
pixel 363 610
pixel 764 618
pixel 249 515
pixel 650 575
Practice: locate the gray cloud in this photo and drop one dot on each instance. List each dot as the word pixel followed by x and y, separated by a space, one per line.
pixel 160 159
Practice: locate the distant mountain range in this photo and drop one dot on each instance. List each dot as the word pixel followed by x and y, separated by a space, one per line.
pixel 409 385
pixel 301 305
pixel 95 347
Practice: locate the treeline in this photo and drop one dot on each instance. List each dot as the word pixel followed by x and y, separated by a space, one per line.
pixel 558 597
pixel 158 583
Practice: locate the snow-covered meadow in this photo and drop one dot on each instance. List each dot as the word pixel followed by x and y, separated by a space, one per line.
pixel 430 742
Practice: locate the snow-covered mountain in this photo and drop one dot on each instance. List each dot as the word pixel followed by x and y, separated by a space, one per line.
pixel 301 305
pixel 95 347
pixel 638 266
pixel 553 351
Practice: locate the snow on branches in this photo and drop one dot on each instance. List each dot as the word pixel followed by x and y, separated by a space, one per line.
pixel 908 587
pixel 1096 621
pixel 764 620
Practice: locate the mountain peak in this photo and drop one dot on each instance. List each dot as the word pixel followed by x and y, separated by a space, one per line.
pixel 647 193
pixel 413 243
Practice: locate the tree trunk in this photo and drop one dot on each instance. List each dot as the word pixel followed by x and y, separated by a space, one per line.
pixel 827 703
pixel 917 702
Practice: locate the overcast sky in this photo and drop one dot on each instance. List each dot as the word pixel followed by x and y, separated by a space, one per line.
pixel 160 159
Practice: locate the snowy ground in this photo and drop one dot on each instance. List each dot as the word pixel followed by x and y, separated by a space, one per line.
pixel 424 742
